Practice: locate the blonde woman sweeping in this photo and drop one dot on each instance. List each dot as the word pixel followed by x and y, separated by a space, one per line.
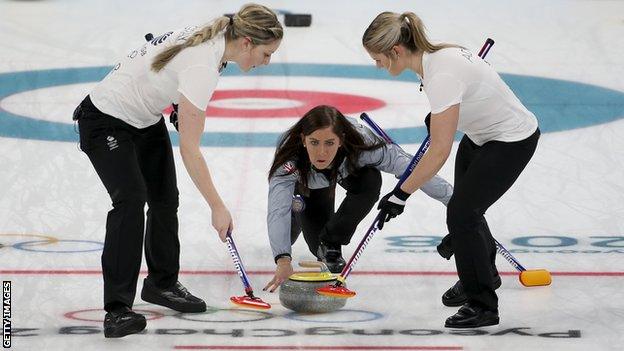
pixel 124 135
pixel 500 137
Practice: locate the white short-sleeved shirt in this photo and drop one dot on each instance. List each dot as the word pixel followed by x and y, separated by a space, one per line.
pixel 488 109
pixel 137 95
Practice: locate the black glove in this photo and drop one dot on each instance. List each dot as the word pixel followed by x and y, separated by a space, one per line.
pixel 445 249
pixel 391 206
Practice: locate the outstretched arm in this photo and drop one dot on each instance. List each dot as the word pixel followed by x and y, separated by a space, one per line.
pixel 393 159
pixel 443 128
pixel 191 128
pixel 281 189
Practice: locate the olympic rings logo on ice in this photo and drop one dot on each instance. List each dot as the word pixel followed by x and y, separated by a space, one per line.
pixel 351 316
pixel 226 315
pixel 555 102
pixel 47 244
pixel 233 315
pixel 84 315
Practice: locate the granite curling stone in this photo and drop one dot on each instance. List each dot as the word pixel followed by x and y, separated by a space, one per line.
pixel 298 293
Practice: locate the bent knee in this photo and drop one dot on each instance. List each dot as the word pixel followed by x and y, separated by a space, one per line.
pixel 461 218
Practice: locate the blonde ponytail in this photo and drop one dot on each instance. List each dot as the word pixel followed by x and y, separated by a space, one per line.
pixel 257 22
pixel 206 33
pixel 389 29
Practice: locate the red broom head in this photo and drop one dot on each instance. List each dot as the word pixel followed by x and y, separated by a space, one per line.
pixel 336 291
pixel 249 302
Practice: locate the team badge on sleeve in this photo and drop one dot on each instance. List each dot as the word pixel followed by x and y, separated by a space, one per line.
pixel 289 167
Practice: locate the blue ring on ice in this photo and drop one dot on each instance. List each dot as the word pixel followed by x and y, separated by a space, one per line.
pixel 558 104
pixel 24 245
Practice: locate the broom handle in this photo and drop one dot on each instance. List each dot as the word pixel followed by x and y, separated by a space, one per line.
pixel 238 263
pixel 373 228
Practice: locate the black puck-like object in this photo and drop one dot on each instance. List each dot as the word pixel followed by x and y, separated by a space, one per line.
pixel 291 19
pixel 297 19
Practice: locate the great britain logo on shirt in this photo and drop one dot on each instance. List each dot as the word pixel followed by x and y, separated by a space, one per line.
pixel 290 168
pixel 112 143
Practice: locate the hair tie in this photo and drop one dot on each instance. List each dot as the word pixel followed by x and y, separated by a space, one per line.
pixel 232 20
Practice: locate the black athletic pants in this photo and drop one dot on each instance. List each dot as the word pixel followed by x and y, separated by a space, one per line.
pixel 482 175
pixel 136 166
pixel 321 224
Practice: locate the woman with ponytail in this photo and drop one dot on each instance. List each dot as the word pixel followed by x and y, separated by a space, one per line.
pixel 124 135
pixel 500 137
pixel 322 149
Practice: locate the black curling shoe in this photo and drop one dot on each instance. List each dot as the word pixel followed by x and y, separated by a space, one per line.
pixel 332 257
pixel 176 297
pixel 472 316
pixel 455 295
pixel 123 321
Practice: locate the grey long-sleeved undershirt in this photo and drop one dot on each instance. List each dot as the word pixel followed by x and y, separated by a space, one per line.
pixel 389 159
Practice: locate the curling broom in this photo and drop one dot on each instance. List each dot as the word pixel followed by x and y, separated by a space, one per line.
pixel 248 300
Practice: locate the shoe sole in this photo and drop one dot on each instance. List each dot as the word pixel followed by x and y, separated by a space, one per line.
pixel 132 327
pixel 457 303
pixel 467 326
pixel 157 300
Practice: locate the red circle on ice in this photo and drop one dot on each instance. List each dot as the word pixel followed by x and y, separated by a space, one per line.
pixel 283 103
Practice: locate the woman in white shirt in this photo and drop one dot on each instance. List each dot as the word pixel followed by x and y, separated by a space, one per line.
pixel 500 137
pixel 123 133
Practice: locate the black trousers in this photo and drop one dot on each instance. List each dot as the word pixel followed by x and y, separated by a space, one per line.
pixel 136 167
pixel 482 175
pixel 320 223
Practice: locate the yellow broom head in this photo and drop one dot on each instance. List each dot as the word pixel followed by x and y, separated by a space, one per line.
pixel 535 277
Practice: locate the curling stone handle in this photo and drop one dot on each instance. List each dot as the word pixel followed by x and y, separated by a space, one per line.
pixel 314 264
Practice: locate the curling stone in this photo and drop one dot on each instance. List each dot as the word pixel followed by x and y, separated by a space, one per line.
pixel 299 294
